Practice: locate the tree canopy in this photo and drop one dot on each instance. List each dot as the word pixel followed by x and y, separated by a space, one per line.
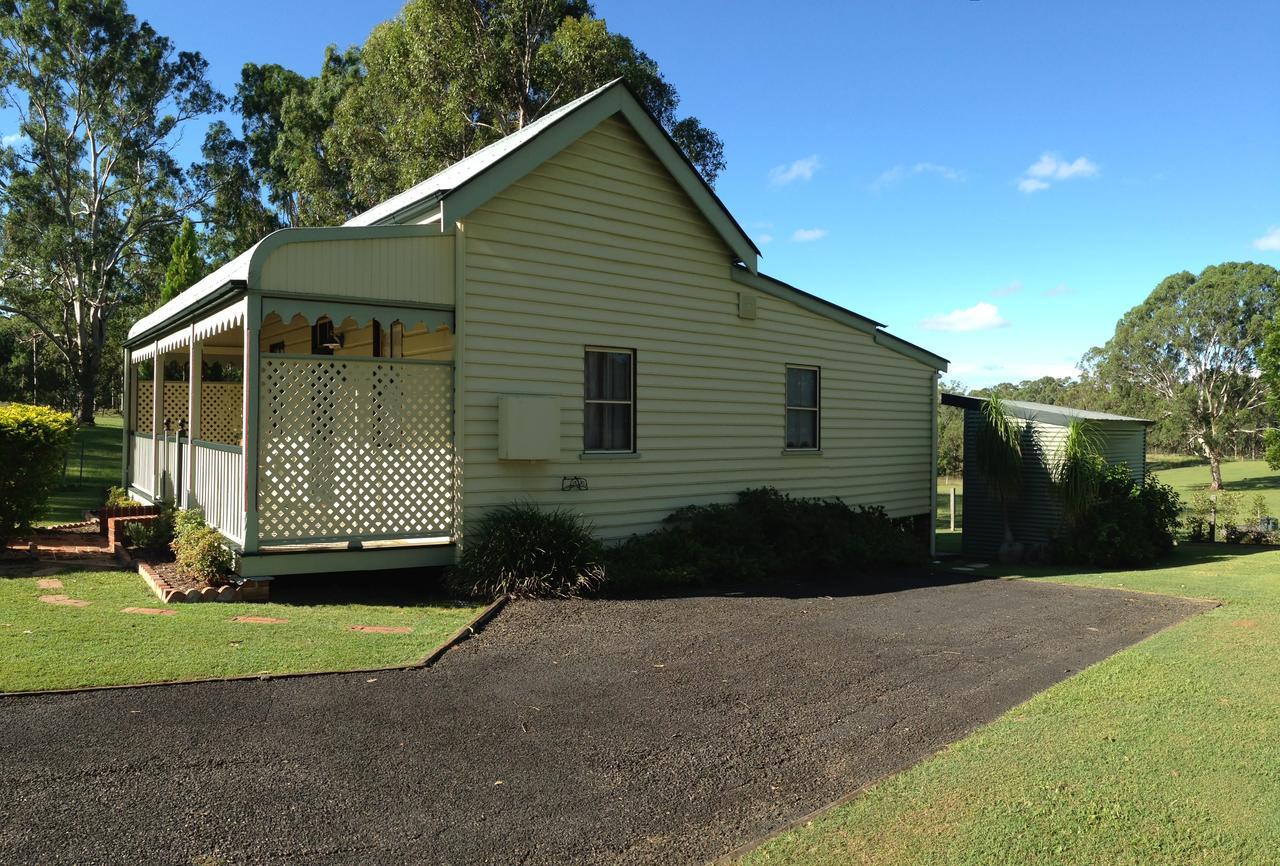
pixel 91 183
pixel 185 265
pixel 1189 353
pixel 441 80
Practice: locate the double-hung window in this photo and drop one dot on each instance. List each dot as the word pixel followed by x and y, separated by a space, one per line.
pixel 609 401
pixel 803 405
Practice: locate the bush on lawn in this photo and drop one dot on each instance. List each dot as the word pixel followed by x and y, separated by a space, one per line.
pixel 118 497
pixel 763 536
pixel 203 555
pixel 33 445
pixel 1130 523
pixel 155 535
pixel 526 551
pixel 186 521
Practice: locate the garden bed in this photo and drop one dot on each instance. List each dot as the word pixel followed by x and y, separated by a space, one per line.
pixel 162 576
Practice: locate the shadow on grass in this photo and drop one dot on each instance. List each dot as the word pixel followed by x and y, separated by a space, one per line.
pixel 1186 554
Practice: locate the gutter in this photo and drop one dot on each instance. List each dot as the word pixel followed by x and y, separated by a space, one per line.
pixel 213 299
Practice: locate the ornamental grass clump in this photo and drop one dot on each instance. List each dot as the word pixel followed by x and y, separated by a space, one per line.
pixel 526 551
pixel 33 445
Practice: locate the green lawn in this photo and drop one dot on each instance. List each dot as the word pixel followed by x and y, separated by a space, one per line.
pixel 948 541
pixel 43 646
pixel 101 448
pixel 1168 752
pixel 1246 477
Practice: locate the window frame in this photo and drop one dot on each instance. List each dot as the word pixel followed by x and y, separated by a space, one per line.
pixel 614 350
pixel 816 408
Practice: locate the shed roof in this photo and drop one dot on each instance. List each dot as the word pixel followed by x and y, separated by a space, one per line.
pixel 1046 412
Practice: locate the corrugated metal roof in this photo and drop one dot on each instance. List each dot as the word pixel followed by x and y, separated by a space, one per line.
pixel 235 270
pixel 1047 412
pixel 1032 409
pixel 465 169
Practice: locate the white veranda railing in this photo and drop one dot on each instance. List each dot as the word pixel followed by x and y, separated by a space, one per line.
pixel 141 462
pixel 355 449
pixel 217 486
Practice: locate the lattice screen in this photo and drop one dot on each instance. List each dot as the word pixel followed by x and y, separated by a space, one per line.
pixel 222 412
pixel 174 406
pixel 142 407
pixel 355 449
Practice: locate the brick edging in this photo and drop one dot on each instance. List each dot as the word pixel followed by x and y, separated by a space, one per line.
pixel 476 624
pixel 166 592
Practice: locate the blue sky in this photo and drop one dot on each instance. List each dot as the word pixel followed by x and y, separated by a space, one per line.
pixel 996 180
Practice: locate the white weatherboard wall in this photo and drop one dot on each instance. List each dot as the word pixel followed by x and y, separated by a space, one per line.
pixel 600 247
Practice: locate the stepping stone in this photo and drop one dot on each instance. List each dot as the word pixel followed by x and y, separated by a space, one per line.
pixel 382 629
pixel 49 583
pixel 64 601
pixel 260 620
pixel 153 611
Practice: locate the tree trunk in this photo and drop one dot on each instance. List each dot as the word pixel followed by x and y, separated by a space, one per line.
pixel 87 383
pixel 1215 472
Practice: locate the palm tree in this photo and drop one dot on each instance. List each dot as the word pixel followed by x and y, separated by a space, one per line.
pixel 1078 471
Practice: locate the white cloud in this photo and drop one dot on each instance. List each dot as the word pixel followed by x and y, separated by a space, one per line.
pixel 901 172
pixel 765 239
pixel 800 169
pixel 982 316
pixel 805 235
pixel 1270 241
pixel 1005 291
pixel 11 139
pixel 1049 167
pixel 1058 291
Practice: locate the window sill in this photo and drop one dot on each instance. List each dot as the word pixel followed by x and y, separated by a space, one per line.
pixel 801 452
pixel 609 455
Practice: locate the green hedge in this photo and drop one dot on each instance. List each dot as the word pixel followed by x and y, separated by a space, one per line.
pixel 762 538
pixel 33 445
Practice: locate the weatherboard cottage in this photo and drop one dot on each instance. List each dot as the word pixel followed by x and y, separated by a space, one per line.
pixel 569 316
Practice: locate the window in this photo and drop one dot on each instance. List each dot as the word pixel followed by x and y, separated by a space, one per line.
pixel 608 417
pixel 276 348
pixel 802 408
pixel 323 338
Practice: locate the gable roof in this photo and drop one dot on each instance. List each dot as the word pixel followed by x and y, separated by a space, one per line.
pixel 1046 412
pixel 467 184
pixel 470 182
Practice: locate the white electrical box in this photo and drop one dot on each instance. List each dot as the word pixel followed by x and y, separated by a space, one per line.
pixel 528 427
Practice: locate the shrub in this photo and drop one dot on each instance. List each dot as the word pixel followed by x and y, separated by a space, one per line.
pixel 186 521
pixel 526 551
pixel 202 554
pixel 763 536
pixel 118 497
pixel 1131 523
pixel 155 535
pixel 33 445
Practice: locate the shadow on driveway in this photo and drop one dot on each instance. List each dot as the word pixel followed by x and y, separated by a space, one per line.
pixel 603 731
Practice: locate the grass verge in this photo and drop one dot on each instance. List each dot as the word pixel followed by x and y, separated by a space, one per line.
pixel 100 447
pixel 44 646
pixel 1165 753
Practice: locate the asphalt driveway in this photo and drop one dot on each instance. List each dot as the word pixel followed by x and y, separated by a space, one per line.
pixel 656 731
